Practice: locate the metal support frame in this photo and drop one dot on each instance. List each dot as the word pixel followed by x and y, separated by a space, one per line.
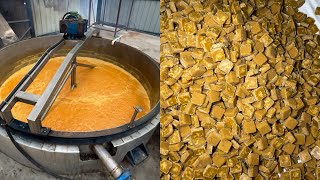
pixel 127 27
pixel 18 21
pixel 43 103
pixel 116 26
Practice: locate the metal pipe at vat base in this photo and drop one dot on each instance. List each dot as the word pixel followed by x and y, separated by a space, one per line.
pixel 112 166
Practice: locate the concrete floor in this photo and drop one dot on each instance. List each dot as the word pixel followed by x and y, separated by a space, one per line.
pixel 149 169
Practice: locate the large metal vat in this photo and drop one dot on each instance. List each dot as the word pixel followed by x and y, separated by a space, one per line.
pixel 69 152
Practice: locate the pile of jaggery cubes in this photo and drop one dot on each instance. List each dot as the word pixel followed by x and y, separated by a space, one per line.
pixel 239 90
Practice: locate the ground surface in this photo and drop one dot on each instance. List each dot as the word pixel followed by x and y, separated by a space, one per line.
pixel 147 170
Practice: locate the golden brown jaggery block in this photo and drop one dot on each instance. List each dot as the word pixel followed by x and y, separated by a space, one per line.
pixel 186 59
pixel 226 134
pixel 264 128
pixel 271 112
pixel 259 114
pixel 249 127
pixel 174 138
pixel 166 131
pixel 268 103
pixel 245 49
pixel 316 152
pixel 300 138
pixel 304 156
pixel 220 17
pixel 175 169
pixel 248 110
pixel 217 54
pixel 175 72
pixel 210 172
pixel 260 59
pixel 295 174
pixel 223 172
pixel 253 159
pixel 176 147
pixel 224 146
pixel 290 123
pixel 240 34
pixel 290 137
pixel 244 152
pixel 218 160
pixel 229 90
pixel 225 66
pixel 262 143
pixel 253 171
pixel 266 40
pixel 195 88
pixel 197 70
pixel 251 82
pixel 197 133
pixel 313 110
pixel 174 156
pixel 164 148
pixel 185 156
pixel 217 112
pixel 285 160
pixel 198 98
pixel 232 78
pixel 237 19
pixel 231 162
pixel 213 32
pixel 288 148
pixel 165 119
pixel 171 101
pixel 214 96
pixel 207 44
pixel 255 27
pixel 184 120
pixel 188 173
pixel 184 97
pixel 285 112
pixel 241 70
pixel 185 131
pixel 270 52
pixel 213 138
pixel 268 153
pixel 259 93
pixel 190 109
pixel 202 161
pixel 165 91
pixel 231 112
pixel 165 166
pixel 195 16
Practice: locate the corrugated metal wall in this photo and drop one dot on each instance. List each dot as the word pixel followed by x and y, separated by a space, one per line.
pixel 47 13
pixel 145 14
pixel 144 17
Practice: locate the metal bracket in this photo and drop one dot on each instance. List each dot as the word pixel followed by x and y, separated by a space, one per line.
pixel 137 109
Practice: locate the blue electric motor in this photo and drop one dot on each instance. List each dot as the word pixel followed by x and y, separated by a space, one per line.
pixel 73 26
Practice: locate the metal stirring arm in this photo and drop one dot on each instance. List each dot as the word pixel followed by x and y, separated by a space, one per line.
pixel 43 103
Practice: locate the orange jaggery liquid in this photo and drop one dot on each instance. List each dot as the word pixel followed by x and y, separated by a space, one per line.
pixel 104 97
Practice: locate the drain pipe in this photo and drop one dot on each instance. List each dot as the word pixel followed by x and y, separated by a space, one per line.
pixel 112 166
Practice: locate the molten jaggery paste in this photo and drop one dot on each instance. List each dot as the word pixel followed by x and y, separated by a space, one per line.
pixel 104 97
